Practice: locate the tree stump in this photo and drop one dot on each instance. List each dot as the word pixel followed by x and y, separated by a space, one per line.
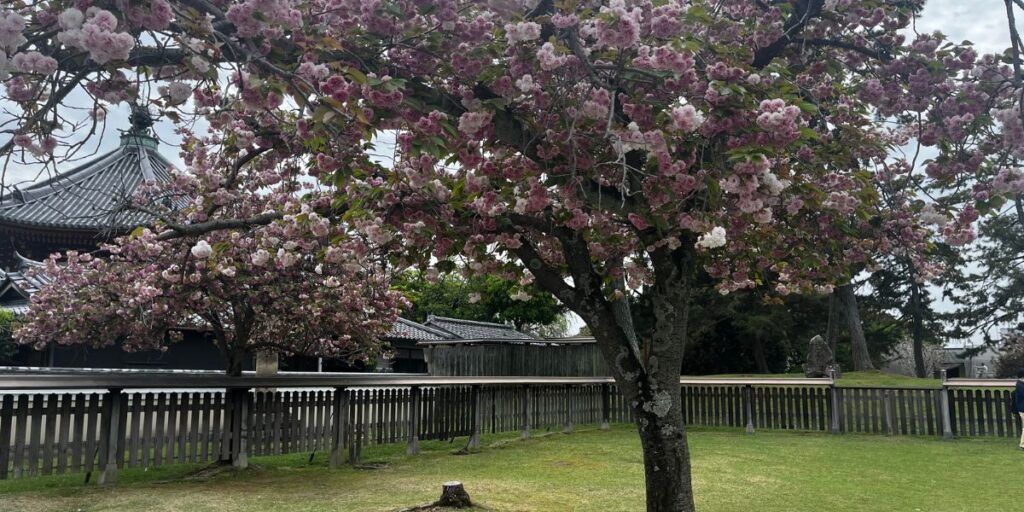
pixel 453 495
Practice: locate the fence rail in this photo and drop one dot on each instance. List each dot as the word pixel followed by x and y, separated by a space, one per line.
pixel 55 424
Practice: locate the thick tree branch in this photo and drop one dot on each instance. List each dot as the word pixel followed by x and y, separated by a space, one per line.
pixel 241 162
pixel 204 7
pixel 201 228
pixel 577 49
pixel 833 43
pixel 547 277
pixel 804 11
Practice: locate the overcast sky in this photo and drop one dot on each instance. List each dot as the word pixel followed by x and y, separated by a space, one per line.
pixel 982 22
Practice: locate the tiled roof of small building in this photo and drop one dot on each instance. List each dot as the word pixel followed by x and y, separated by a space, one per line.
pixel 473 330
pixel 408 330
pixel 89 197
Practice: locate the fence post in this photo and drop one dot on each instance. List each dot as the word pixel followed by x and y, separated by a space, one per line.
pixel 947 417
pixel 339 426
pixel 887 409
pixel 240 406
pixel 474 397
pixel 834 426
pixel 606 405
pixel 111 437
pixel 567 428
pixel 413 447
pixel 526 412
pixel 6 417
pixel 748 397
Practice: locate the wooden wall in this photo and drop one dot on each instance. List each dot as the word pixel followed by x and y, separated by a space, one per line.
pixel 505 359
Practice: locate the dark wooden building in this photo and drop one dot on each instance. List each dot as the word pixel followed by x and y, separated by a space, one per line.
pixel 406 354
pixel 561 357
pixel 465 347
pixel 82 207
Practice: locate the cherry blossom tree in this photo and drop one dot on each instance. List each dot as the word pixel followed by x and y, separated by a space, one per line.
pixel 594 149
pixel 300 284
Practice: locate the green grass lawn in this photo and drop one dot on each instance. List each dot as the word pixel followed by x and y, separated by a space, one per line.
pixel 871 378
pixel 589 470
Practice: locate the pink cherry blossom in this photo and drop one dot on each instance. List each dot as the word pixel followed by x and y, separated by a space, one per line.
pixel 178 92
pixel 522 32
pixel 472 123
pixel 624 29
pixel 686 118
pixel 12 28
pixel 98 35
pixel 202 250
pixel 548 58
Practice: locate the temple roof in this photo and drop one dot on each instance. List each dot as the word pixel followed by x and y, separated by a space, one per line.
pixel 474 330
pixel 88 198
pixel 408 330
pixel 17 287
pixel 439 329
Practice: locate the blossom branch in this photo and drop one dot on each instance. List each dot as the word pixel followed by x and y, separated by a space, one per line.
pixel 201 228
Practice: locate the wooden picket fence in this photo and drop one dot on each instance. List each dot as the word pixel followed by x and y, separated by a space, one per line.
pixel 82 424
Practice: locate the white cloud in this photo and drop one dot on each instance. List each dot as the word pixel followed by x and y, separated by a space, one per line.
pixel 983 23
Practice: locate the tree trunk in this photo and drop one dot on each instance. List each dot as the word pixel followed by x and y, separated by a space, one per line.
pixel 760 359
pixel 654 392
pixel 666 452
pixel 916 331
pixel 236 409
pixel 832 329
pixel 649 380
pixel 652 386
pixel 236 361
pixel 859 346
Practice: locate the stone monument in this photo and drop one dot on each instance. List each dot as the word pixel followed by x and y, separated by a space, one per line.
pixel 819 358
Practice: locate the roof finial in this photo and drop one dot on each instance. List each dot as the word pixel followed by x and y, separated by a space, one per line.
pixel 141 133
pixel 141 120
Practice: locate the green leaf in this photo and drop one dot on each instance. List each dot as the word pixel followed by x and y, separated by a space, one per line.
pixel 356 76
pixel 806 106
pixel 809 133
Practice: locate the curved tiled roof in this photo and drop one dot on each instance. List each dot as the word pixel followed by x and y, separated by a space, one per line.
pixel 17 286
pixel 408 330
pixel 474 330
pixel 441 329
pixel 89 197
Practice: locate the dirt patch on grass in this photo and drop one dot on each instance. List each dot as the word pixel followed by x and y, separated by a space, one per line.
pixel 434 508
pixel 209 472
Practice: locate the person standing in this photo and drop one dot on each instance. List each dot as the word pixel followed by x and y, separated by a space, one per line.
pixel 1018 402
